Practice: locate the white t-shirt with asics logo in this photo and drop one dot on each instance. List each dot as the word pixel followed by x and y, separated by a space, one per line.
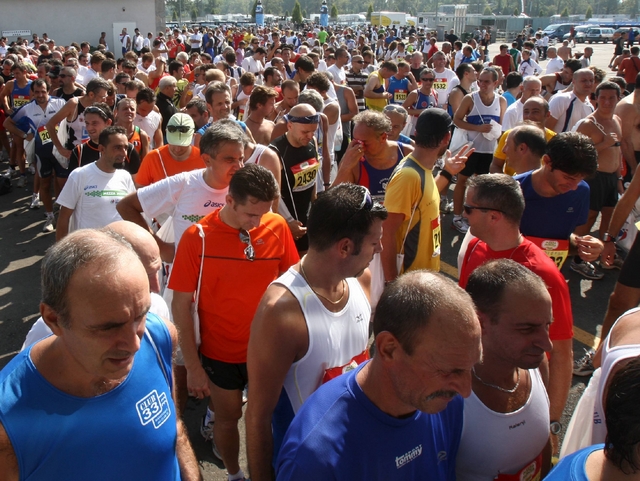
pixel 93 194
pixel 185 196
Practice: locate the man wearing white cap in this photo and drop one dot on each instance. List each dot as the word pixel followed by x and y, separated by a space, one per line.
pixel 175 157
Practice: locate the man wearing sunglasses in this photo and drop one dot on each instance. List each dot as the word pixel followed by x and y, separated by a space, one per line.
pixel 357 79
pixel 321 306
pixel 243 241
pixel 494 205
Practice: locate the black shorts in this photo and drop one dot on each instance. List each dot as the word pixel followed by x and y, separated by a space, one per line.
pixel 48 164
pixel 629 274
pixel 603 190
pixel 232 377
pixel 477 164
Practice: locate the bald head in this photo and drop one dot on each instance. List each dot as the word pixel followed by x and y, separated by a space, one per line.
pixel 302 110
pixel 144 246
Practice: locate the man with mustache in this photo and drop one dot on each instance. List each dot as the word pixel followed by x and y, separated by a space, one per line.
pixel 398 416
pixel 509 398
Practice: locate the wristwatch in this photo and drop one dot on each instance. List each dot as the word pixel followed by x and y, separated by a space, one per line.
pixel 555 427
pixel 608 238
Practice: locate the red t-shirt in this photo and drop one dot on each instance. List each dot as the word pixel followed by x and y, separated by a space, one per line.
pixel 631 67
pixel 533 258
pixel 232 285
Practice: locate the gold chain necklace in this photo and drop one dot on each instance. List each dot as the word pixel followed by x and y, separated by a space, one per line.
pixel 344 289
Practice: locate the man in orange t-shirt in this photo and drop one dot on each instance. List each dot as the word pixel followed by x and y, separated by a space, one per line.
pixel 246 247
pixel 175 157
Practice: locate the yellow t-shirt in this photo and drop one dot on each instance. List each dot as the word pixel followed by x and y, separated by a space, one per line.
pixel 376 104
pixel 499 154
pixel 414 186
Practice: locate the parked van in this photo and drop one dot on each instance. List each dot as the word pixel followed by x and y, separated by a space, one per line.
pixel 599 34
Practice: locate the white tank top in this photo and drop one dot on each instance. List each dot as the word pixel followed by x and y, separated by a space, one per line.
pixel 334 132
pixel 493 443
pixel 611 356
pixel 483 114
pixel 335 338
pixel 257 153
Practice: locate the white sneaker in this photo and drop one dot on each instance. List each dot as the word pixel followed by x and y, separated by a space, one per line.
pixel 35 202
pixel 32 169
pixel 21 181
pixel 48 224
pixel 460 224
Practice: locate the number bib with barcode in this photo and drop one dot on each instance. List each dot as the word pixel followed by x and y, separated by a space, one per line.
pixel 556 249
pixel 304 174
pixel 436 233
pixel 334 372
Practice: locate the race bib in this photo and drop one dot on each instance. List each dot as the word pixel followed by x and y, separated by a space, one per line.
pixel 531 472
pixel 556 249
pixel 304 174
pixel 440 84
pixel 399 96
pixel 20 100
pixel 334 372
pixel 241 112
pixel 436 232
pixel 44 135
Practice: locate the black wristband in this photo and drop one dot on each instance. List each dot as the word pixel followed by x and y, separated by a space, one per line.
pixel 446 175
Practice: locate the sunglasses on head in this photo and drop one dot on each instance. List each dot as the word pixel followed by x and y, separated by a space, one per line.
pixel 183 129
pixel 249 251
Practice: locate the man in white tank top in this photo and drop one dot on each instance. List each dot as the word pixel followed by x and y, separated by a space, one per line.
pixel 505 433
pixel 313 322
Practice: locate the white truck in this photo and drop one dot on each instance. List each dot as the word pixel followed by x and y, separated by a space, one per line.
pixel 384 19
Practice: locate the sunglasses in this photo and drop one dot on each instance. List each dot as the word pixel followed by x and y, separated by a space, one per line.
pixel 358 61
pixel 249 252
pixel 63 75
pixel 183 129
pixel 427 79
pixel 468 209
pixel 366 204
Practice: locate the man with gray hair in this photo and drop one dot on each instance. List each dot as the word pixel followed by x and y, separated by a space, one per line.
pixel 403 409
pixel 164 100
pixel 106 369
pixel 69 88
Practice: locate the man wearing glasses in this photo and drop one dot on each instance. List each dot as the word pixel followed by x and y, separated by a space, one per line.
pixel 424 98
pixel 243 241
pixel 321 307
pixel 494 205
pixel 68 86
pixel 357 79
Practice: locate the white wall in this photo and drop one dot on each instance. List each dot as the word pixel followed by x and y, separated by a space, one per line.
pixel 67 21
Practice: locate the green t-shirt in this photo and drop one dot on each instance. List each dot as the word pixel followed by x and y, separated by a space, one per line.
pixel 322 36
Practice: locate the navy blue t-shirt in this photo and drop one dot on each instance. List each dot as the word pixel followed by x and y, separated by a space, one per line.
pixel 553 217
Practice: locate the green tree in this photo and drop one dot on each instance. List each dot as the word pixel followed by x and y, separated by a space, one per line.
pixel 253 10
pixel 369 12
pixel 487 10
pixel 516 12
pixel 305 14
pixel 498 9
pixel 174 17
pixel 194 15
pixel 589 13
pixel 334 12
pixel 565 13
pixel 296 14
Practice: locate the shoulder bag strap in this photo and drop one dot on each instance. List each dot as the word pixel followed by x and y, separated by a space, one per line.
pixel 567 119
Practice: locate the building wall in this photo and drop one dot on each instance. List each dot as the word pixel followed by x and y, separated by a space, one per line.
pixel 67 21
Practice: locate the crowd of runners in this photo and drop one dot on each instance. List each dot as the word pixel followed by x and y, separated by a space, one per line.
pixel 237 209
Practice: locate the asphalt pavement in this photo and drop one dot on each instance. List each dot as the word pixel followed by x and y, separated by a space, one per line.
pixel 22 246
